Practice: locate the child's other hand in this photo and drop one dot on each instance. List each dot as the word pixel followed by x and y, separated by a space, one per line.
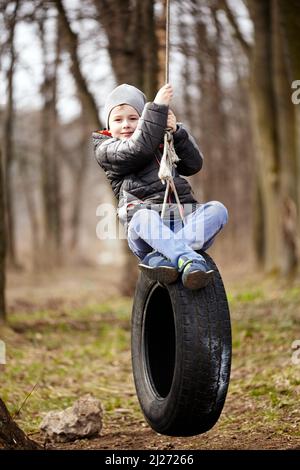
pixel 171 122
pixel 164 95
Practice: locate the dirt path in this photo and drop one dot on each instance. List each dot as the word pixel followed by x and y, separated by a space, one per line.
pixel 138 436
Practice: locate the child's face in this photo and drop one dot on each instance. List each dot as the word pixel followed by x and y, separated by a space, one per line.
pixel 123 120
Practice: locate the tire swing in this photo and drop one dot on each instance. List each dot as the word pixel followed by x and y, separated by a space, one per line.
pixel 181 354
pixel 181 349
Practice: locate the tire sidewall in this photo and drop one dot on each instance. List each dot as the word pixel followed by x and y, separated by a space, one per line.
pixel 194 353
pixel 161 410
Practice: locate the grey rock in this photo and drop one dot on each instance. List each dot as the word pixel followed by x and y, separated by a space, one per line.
pixel 83 419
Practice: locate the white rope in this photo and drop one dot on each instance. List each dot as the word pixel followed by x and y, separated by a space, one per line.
pixel 168 161
pixel 167 68
pixel 169 158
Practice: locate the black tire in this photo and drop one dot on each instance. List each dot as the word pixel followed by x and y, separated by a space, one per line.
pixel 181 354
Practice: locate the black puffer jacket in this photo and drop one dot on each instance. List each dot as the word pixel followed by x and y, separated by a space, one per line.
pixel 132 165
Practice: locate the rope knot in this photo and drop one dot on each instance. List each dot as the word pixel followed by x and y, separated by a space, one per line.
pixel 169 158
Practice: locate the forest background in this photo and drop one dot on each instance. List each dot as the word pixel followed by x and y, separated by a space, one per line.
pixel 235 68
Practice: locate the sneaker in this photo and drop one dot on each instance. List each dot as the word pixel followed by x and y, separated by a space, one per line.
pixel 195 273
pixel 159 268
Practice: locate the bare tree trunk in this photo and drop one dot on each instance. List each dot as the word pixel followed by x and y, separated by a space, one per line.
pixel 56 173
pixel 286 125
pixel 188 108
pixel 79 178
pixel 265 130
pixel 290 27
pixel 76 161
pixel 70 42
pixel 11 436
pixel 2 246
pixel 160 31
pixel 49 164
pixel 89 113
pixel 116 18
pixel 208 85
pixel 220 127
pixel 130 29
pixel 32 211
pixel 149 49
pixel 258 231
pixel 275 62
pixel 8 145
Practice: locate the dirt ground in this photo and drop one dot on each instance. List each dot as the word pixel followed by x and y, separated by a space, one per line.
pixel 243 424
pixel 135 435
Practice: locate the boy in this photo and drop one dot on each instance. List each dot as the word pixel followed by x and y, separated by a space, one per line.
pixel 129 151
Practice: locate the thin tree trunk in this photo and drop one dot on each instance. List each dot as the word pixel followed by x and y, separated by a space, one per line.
pixel 50 175
pixel 264 125
pixel 188 108
pixel 79 178
pixel 161 44
pixel 8 145
pixel 32 212
pixel 56 173
pixel 206 110
pixel 258 225
pixel 2 246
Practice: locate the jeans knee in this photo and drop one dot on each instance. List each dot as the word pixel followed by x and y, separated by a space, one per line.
pixel 143 217
pixel 220 211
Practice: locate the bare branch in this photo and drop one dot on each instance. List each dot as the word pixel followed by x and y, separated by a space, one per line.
pixel 237 32
pixel 71 42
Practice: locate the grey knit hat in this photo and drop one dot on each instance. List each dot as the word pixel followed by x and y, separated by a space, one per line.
pixel 124 94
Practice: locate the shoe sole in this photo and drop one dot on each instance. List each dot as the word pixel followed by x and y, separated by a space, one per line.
pixel 164 274
pixel 198 279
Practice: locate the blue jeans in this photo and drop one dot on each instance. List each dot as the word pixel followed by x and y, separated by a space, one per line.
pixel 147 232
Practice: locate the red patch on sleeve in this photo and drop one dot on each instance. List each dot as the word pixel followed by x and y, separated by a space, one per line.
pixel 105 132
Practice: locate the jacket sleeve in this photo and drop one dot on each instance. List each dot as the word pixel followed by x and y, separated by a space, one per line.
pixel 191 159
pixel 122 157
